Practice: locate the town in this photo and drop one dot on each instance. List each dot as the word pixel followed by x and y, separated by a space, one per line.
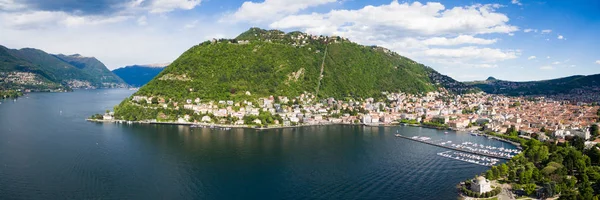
pixel 539 117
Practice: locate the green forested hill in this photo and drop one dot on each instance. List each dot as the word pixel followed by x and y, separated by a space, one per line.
pixel 274 63
pixel 92 66
pixel 53 71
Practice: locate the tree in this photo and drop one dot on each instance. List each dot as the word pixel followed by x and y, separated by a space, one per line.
pixel 490 175
pixel 529 188
pixel 594 131
pixel 550 189
pixel 503 169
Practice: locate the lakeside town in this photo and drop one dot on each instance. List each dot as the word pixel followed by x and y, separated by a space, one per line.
pixel 540 117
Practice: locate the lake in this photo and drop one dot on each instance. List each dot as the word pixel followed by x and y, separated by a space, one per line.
pixel 49 151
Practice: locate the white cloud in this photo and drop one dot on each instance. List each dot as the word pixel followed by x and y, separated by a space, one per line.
pixel 161 6
pixel 556 63
pixel 530 30
pixel 546 67
pixel 598 62
pixel 11 5
pixel 191 25
pixel 46 19
pixel 531 58
pixel 271 9
pixel 462 39
pixel 516 2
pixel 546 31
pixel 485 54
pixel 560 37
pixel 142 21
pixel 547 57
pixel 405 19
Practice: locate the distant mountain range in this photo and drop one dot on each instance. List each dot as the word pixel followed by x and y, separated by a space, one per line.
pixel 582 87
pixel 138 75
pixel 35 69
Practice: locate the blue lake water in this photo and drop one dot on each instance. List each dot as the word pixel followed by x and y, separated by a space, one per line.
pixel 49 151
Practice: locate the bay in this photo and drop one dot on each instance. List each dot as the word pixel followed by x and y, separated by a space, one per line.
pixel 49 151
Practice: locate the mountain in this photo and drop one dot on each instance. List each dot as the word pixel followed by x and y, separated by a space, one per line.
pixel 574 86
pixel 35 69
pixel 92 66
pixel 274 63
pixel 138 75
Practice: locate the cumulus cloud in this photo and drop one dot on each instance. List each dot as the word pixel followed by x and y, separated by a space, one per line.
pixel 531 58
pixel 462 39
pixel 560 37
pixel 530 30
pixel 598 62
pixel 516 2
pixel 546 67
pixel 487 54
pixel 269 9
pixel 47 19
pixel 161 6
pixel 142 21
pixel 11 5
pixel 556 63
pixel 414 19
pixel 546 31
pixel 191 25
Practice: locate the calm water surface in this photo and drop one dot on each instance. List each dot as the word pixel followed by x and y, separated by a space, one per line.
pixel 48 151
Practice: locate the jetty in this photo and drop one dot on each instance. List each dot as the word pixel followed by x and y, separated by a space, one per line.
pixel 455 148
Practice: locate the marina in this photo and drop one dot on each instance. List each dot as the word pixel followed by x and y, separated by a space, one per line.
pixel 468 147
pixel 470 158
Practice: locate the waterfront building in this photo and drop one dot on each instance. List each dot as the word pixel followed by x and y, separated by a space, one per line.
pixel 481 185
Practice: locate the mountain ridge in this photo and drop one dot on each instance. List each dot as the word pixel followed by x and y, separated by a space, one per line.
pixel 582 85
pixel 30 68
pixel 138 75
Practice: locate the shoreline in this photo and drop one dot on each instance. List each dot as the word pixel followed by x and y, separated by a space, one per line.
pixel 518 145
pixel 250 126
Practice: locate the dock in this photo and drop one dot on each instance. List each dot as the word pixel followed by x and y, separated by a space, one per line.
pixel 454 148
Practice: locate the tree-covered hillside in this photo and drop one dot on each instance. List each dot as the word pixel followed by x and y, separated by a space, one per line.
pixel 91 66
pixel 35 69
pixel 580 85
pixel 268 63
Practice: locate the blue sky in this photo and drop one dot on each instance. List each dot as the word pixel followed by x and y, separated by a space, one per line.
pixel 467 40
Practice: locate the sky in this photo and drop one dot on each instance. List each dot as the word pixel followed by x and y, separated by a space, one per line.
pixel 516 40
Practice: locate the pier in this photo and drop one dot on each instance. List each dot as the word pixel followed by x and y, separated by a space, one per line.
pixel 454 148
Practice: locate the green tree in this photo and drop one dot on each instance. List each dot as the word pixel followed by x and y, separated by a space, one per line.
pixel 594 131
pixel 529 188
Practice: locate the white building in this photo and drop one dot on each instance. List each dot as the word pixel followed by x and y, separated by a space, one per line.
pixel 481 185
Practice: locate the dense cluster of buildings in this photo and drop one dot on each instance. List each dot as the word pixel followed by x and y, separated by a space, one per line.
pixel 460 112
pixel 20 78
